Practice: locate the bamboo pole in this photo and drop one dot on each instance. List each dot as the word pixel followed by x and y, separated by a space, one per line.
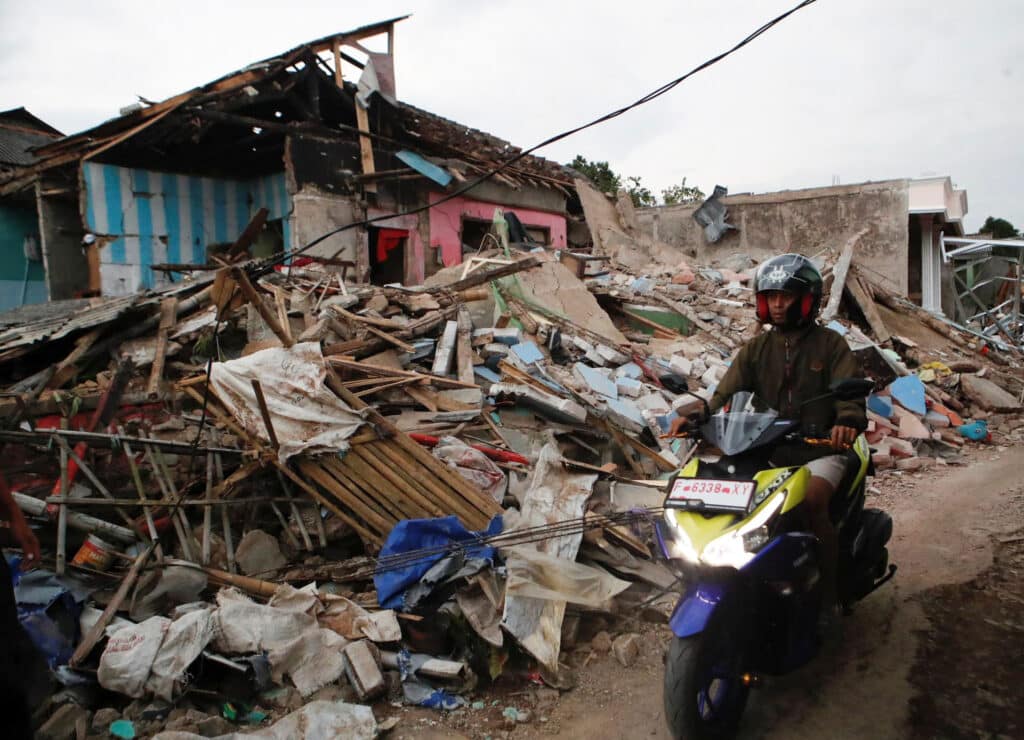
pixel 141 490
pixel 62 515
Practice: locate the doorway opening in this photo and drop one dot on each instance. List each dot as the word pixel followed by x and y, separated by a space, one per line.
pixel 387 255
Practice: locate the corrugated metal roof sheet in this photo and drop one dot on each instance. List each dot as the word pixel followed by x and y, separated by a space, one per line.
pixel 15 145
pixel 65 322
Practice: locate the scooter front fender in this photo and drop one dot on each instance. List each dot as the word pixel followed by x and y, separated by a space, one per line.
pixel 694 610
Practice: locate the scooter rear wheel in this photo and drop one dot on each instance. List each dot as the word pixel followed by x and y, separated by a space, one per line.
pixel 704 692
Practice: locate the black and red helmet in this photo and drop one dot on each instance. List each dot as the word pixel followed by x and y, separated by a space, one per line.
pixel 791 273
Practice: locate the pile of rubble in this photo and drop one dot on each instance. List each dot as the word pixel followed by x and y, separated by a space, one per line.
pixel 275 487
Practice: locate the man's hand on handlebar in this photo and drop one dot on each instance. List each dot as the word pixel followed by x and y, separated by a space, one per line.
pixel 689 413
pixel 843 437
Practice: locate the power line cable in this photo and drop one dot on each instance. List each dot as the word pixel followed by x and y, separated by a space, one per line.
pixel 656 93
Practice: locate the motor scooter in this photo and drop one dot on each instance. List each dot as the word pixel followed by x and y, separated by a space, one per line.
pixel 735 531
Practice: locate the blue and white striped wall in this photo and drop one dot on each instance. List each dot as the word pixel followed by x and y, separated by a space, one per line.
pixel 156 217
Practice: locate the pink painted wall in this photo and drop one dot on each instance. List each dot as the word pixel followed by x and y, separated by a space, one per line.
pixel 414 252
pixel 446 224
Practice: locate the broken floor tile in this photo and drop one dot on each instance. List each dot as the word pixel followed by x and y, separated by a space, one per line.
pixel 527 353
pixel 595 380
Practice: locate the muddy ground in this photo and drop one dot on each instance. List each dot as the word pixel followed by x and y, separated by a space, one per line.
pixel 937 653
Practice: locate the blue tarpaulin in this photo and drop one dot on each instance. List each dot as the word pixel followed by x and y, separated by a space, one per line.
pixel 432 535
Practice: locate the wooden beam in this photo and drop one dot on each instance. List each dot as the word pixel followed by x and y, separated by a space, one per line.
pixel 839 272
pixel 96 631
pixel 866 303
pixel 242 279
pixel 485 276
pixel 168 319
pixel 365 145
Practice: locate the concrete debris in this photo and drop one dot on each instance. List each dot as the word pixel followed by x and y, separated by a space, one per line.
pixel 626 649
pixel 253 440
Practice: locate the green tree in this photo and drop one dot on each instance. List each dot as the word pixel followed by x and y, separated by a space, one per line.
pixel 642 197
pixel 607 180
pixel 999 228
pixel 682 193
pixel 599 173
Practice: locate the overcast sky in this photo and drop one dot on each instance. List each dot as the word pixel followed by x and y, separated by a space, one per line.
pixel 851 90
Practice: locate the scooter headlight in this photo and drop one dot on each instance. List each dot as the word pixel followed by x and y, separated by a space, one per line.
pixel 736 548
pixel 679 546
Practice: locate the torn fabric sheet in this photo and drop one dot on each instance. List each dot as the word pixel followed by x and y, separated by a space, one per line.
pixel 305 414
pixel 555 495
pixel 536 575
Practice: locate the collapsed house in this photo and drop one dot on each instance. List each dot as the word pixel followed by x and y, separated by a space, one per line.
pixel 422 462
pixel 317 138
pixel 897 225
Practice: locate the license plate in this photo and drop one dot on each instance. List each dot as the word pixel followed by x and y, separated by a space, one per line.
pixel 732 495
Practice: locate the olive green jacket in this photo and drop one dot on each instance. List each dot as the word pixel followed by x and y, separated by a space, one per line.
pixel 784 369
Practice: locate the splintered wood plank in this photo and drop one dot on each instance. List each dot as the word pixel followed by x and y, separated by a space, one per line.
pixel 365 145
pixel 168 319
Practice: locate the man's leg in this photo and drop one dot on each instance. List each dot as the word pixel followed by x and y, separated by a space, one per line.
pixel 826 473
pixel 819 494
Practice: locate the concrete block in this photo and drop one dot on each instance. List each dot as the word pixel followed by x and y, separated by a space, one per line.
pixel 654 402
pixel 915 463
pixel 629 387
pixel 594 358
pixel 471 396
pixel 582 344
pixel 612 355
pixel 911 427
pixel 444 355
pixel 495 349
pixel 595 380
pixel 987 395
pixel 626 649
pixel 681 364
pixel 900 447
pixel 509 335
pixel 363 671
pixel 626 415
pixel 629 370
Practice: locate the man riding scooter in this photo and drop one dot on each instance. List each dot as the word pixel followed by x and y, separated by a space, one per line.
pixel 790 368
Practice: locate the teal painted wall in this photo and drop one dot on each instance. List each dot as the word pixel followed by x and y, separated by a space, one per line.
pixel 15 223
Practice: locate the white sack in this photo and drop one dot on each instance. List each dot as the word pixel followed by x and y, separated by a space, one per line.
pixel 318 720
pixel 184 640
pixel 295 644
pixel 305 414
pixel 129 655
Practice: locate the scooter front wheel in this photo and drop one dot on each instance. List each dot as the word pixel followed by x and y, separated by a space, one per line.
pixel 704 691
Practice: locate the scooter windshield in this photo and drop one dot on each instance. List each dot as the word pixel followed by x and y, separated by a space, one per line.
pixel 737 425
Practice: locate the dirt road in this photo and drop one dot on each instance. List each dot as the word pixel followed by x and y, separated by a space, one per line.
pixel 860 687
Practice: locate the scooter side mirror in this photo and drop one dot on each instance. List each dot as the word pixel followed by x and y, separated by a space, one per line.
pixel 852 389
